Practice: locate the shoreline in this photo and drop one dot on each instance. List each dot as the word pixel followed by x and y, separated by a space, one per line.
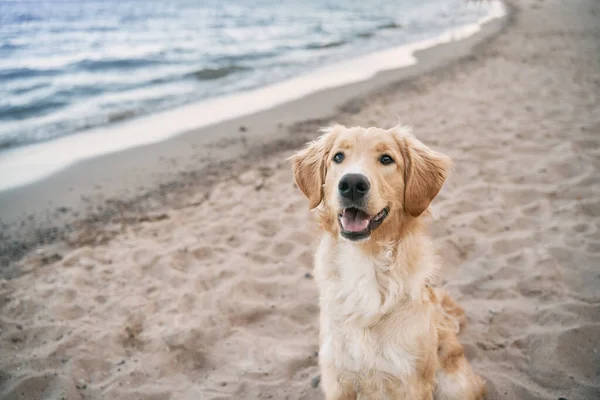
pixel 34 162
pixel 142 178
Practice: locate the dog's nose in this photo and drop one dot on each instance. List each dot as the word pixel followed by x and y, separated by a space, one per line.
pixel 354 186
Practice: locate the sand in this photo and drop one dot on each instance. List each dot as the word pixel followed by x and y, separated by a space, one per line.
pixel 213 298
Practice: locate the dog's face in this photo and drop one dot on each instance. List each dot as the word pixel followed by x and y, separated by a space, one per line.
pixel 368 179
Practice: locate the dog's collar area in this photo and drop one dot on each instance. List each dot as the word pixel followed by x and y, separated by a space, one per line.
pixel 357 225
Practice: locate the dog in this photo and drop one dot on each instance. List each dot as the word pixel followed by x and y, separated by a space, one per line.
pixel 386 332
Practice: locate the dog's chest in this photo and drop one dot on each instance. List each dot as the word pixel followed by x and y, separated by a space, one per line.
pixel 356 293
pixel 363 352
pixel 352 303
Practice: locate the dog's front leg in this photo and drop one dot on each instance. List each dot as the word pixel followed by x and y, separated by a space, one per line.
pixel 334 386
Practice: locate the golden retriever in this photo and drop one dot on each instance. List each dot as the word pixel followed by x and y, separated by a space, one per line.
pixel 385 331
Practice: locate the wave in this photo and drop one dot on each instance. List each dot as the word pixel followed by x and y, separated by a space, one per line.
pixel 390 25
pixel 38 108
pixel 16 73
pixel 234 59
pixel 8 142
pixel 365 35
pixel 23 18
pixel 360 35
pixel 8 46
pixel 30 88
pixel 124 63
pixel 121 115
pixel 329 45
pixel 86 65
pixel 207 74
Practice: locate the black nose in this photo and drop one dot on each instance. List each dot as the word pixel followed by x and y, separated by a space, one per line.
pixel 354 186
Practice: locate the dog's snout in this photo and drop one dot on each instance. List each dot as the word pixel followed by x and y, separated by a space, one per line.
pixel 354 186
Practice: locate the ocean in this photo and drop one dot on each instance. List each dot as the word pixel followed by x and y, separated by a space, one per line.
pixel 72 66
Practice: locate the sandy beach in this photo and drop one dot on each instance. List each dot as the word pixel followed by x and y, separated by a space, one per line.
pixel 182 269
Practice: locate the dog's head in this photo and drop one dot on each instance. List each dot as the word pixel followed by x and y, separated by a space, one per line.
pixel 369 181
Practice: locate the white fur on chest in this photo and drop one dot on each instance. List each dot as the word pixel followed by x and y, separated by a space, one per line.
pixel 356 293
pixel 352 301
pixel 361 353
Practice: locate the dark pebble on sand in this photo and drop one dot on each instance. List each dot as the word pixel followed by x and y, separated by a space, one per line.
pixel 51 258
pixel 17 337
pixel 223 383
pixel 243 128
pixel 308 275
pixel 315 381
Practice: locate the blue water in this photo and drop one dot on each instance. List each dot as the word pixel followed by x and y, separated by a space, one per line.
pixel 66 66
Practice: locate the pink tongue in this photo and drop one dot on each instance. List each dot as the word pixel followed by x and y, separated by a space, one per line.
pixel 354 220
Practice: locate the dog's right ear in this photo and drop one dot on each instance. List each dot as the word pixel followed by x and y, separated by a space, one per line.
pixel 309 167
pixel 425 171
pixel 425 174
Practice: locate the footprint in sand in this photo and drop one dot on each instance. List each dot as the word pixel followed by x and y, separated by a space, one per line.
pixel 145 258
pixel 268 227
pixel 283 249
pixel 203 253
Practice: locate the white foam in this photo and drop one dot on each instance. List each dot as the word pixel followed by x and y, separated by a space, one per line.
pixel 24 165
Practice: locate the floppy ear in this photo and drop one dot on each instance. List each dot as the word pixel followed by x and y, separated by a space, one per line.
pixel 425 173
pixel 309 168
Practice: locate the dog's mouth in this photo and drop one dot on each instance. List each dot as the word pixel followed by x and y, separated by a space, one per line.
pixel 357 224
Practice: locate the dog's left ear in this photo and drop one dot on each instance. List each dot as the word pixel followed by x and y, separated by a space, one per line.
pixel 309 168
pixel 425 173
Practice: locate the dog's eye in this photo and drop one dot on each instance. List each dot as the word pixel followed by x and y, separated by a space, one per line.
pixel 385 159
pixel 338 158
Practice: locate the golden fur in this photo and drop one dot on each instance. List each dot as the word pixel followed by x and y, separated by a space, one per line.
pixel 385 333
